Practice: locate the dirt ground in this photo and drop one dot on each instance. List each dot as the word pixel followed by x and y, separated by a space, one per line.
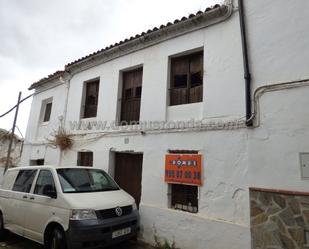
pixel 17 242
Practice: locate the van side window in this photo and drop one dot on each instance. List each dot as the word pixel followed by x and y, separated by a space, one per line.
pixel 44 183
pixel 24 181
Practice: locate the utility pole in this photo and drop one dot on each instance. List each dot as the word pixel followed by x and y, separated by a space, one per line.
pixel 12 134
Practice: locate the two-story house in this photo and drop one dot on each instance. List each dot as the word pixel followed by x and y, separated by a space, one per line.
pixel 164 112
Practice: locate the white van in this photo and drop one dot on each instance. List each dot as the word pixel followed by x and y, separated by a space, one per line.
pixel 66 207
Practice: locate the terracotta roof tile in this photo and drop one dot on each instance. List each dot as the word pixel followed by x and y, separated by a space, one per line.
pixel 46 79
pixel 144 33
pixel 60 73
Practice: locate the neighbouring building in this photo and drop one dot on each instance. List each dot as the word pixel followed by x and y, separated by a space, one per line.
pixel 164 113
pixel 15 152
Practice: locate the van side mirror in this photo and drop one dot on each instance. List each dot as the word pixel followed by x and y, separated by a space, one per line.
pixel 50 191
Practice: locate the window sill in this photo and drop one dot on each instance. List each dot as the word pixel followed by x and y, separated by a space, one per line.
pixel 89 119
pixel 185 111
pixel 44 123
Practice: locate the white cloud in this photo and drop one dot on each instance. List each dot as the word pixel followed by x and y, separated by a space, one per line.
pixel 39 37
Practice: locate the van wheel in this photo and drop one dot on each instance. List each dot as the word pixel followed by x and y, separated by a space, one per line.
pixel 2 230
pixel 57 240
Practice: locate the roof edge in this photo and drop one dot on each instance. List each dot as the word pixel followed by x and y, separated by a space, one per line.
pixel 216 14
pixel 49 78
pixel 199 21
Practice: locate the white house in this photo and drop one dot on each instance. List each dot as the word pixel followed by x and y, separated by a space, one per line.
pixel 254 169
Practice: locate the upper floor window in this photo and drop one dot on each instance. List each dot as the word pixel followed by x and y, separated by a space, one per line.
pixel 46 110
pixel 186 84
pixel 91 93
pixel 131 97
pixel 85 158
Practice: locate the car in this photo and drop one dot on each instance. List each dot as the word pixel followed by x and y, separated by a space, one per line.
pixel 66 207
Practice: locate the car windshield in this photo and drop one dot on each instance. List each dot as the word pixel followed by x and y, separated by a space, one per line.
pixel 82 180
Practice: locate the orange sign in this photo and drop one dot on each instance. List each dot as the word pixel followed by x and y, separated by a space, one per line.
pixel 183 168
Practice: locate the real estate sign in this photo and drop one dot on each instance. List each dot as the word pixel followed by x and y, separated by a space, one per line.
pixel 183 168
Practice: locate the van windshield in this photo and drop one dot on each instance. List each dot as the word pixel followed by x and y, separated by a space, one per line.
pixel 85 180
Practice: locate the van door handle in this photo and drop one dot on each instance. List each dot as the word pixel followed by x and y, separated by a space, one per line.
pixel 25 197
pixel 31 198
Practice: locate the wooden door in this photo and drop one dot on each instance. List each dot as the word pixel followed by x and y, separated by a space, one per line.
pixel 128 173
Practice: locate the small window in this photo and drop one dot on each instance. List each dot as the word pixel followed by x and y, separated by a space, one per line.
pixel 24 181
pixel 184 197
pixel 36 162
pixel 91 98
pixel 186 84
pixel 46 109
pixel 44 183
pixel 85 158
pixel 306 240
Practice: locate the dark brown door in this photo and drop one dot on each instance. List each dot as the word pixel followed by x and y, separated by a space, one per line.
pixel 128 173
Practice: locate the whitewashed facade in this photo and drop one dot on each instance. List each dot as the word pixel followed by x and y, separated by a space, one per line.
pixel 235 157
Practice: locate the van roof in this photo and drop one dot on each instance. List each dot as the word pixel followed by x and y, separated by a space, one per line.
pixel 50 167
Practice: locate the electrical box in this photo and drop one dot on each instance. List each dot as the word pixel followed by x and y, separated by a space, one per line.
pixel 304 165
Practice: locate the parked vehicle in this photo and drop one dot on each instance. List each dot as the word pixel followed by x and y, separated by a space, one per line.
pixel 66 207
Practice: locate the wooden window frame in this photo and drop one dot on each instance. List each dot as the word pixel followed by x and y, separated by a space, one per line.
pixel 86 110
pixel 85 156
pixel 133 101
pixel 48 107
pixel 183 206
pixel 187 59
pixel 188 195
pixel 44 116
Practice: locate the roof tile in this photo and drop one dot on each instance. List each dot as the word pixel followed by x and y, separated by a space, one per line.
pixel 124 41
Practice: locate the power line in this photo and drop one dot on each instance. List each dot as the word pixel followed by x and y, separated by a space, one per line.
pixel 15 106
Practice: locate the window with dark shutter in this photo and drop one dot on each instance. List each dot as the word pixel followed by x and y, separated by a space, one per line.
pixel 184 197
pixel 186 79
pixel 85 158
pixel 181 196
pixel 91 98
pixel 48 108
pixel 131 97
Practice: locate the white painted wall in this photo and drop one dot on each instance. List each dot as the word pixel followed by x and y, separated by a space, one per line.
pixel 36 144
pixel 234 160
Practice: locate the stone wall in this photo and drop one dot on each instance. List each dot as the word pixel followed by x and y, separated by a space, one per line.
pixel 279 221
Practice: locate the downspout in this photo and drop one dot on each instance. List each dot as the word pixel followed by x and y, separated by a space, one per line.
pixel 247 74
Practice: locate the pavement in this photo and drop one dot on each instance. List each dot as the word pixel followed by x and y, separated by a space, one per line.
pixel 16 242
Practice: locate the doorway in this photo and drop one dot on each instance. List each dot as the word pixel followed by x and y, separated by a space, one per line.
pixel 128 173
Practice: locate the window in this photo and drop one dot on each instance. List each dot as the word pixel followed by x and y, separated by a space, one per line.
pixel 85 158
pixel 24 181
pixel 36 162
pixel 44 183
pixel 74 180
pixel 91 99
pixel 186 84
pixel 184 197
pixel 131 97
pixel 46 110
pixel 306 240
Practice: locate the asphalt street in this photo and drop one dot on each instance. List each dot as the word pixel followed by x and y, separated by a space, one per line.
pixel 17 242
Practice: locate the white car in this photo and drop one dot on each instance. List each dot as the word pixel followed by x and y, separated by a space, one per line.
pixel 66 207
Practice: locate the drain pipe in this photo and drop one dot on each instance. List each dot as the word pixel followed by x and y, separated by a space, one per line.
pixel 247 75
